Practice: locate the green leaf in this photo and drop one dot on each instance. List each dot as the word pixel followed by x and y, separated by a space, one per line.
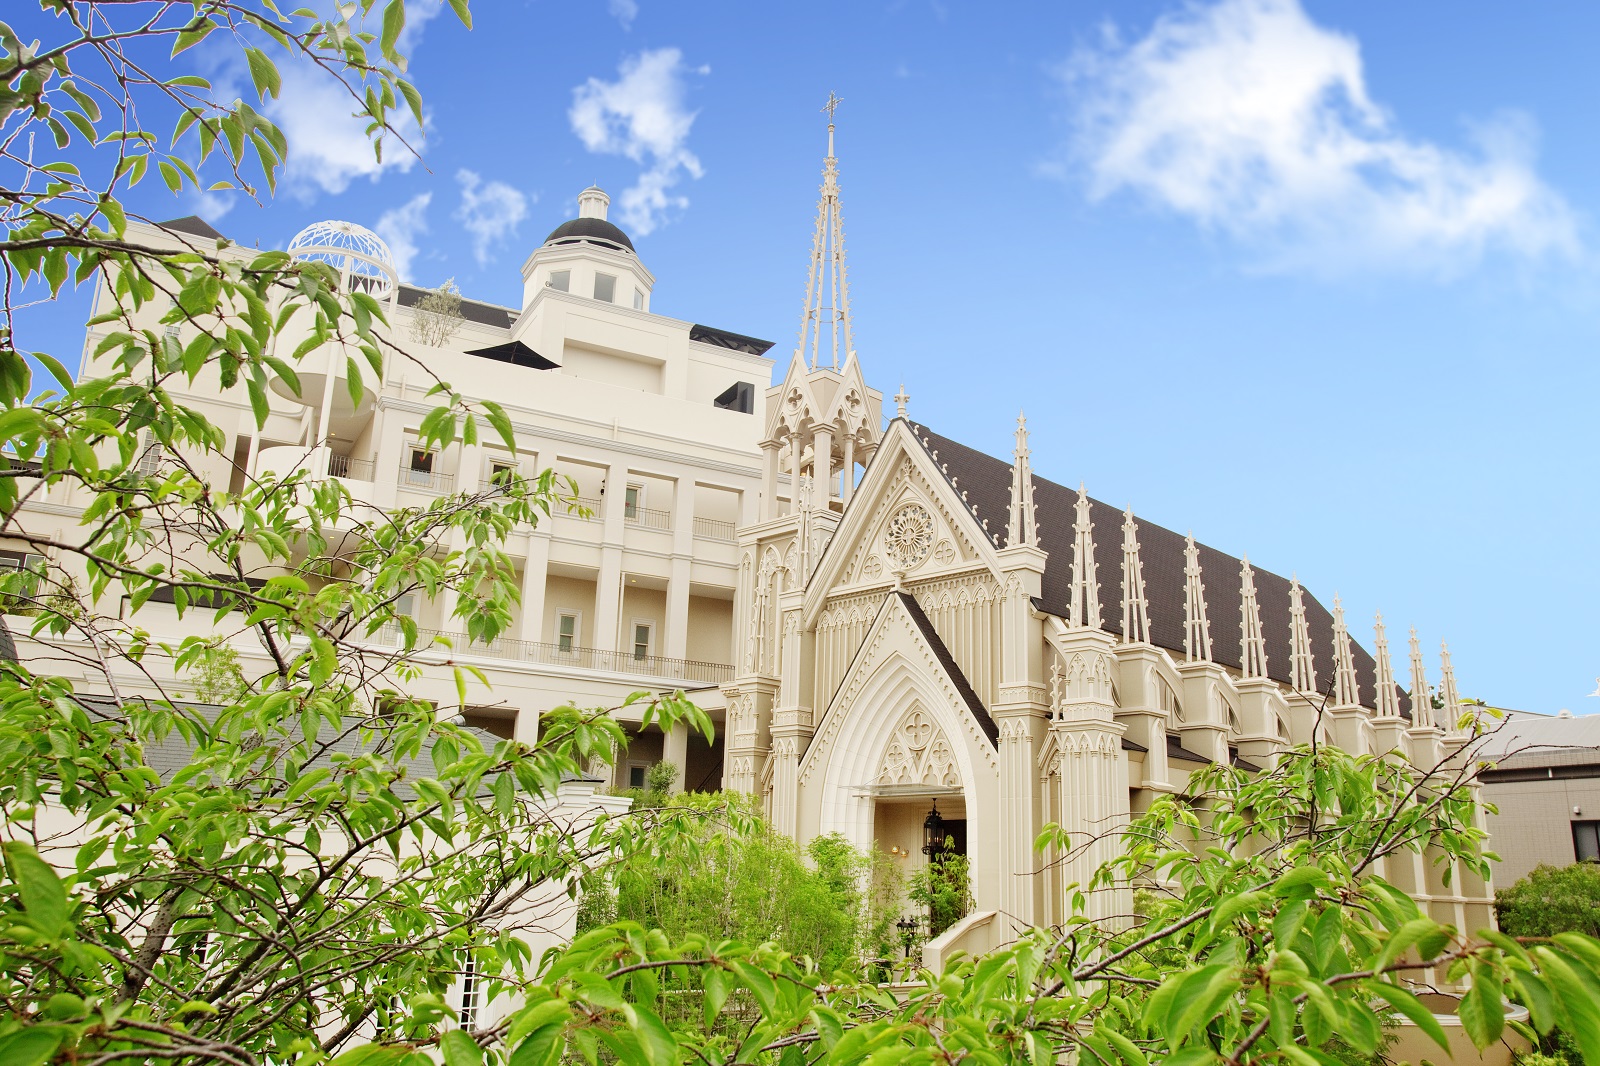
pixel 1482 1013
pixel 1413 1010
pixel 1404 937
pixel 394 21
pixel 264 73
pixel 459 1049
pixel 31 1047
pixel 44 895
pixel 655 1039
pixel 1198 999
pixel 460 8
pixel 542 1047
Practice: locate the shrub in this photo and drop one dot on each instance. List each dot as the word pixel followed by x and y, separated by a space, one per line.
pixel 1552 900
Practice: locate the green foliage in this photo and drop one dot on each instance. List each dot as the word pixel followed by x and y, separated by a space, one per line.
pixel 943 888
pixel 1552 900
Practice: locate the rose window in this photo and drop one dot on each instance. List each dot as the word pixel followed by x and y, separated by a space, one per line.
pixel 908 537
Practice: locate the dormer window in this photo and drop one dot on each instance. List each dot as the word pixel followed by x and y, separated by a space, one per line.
pixel 605 288
pixel 561 279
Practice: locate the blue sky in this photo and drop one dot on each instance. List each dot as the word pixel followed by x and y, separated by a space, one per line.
pixel 1317 281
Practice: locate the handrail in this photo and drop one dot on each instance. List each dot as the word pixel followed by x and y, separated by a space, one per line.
pixel 426 480
pixel 648 517
pixel 714 529
pixel 350 469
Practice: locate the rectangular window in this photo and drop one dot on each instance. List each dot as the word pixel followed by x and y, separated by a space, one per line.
pixel 1586 841
pixel 469 993
pixel 638 300
pixel 605 287
pixel 419 467
pixel 150 460
pixel 406 604
pixel 636 776
pixel 632 500
pixel 560 279
pixel 501 474
pixel 641 640
pixel 566 631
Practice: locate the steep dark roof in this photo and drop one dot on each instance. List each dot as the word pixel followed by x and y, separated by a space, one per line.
pixel 471 310
pixel 514 352
pixel 592 229
pixel 948 661
pixel 723 338
pixel 194 226
pixel 987 483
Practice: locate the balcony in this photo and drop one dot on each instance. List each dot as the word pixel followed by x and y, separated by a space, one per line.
pixel 350 469
pixel 714 529
pixel 412 477
pixel 647 517
pixel 571 656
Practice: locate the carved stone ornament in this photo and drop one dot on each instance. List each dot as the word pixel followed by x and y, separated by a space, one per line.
pixel 945 553
pixel 872 568
pixel 919 754
pixel 908 536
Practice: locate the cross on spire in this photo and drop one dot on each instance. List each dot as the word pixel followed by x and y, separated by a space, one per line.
pixel 825 322
pixel 1022 525
pixel 1302 668
pixel 900 399
pixel 1085 584
pixel 1252 642
pixel 1196 630
pixel 1135 609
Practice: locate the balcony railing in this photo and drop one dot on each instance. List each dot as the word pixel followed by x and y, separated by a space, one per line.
pixel 426 480
pixel 648 517
pixel 576 506
pixel 350 469
pixel 713 529
pixel 529 651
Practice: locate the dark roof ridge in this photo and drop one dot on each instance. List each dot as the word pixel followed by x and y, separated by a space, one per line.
pixel 951 667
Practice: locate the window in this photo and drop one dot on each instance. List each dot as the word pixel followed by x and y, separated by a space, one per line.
pixel 632 500
pixel 641 640
pixel 560 279
pixel 605 288
pixel 740 396
pixel 636 776
pixel 150 460
pixel 566 631
pixel 1586 841
pixel 638 300
pixel 501 474
pixel 469 993
pixel 406 604
pixel 419 471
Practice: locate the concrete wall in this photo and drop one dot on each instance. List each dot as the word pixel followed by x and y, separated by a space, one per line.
pixel 1534 825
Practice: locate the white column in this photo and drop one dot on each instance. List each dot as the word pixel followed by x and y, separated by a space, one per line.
pixel 608 597
pixel 675 750
pixel 769 481
pixel 535 569
pixel 677 620
pixel 822 467
pixel 796 453
pixel 849 486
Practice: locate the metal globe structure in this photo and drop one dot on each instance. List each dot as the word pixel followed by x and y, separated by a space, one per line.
pixel 363 261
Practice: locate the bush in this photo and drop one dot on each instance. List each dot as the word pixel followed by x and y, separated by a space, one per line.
pixel 1552 900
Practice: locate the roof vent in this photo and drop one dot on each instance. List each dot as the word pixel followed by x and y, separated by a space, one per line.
pixel 1563 713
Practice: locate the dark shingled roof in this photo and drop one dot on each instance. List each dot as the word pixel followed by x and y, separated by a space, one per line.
pixel 194 226
pixel 579 229
pixel 948 661
pixel 471 310
pixel 723 338
pixel 987 483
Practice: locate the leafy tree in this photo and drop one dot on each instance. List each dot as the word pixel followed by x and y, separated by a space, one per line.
pixel 1552 900
pixel 437 316
pixel 943 888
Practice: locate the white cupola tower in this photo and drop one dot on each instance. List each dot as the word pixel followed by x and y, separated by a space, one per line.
pixel 589 257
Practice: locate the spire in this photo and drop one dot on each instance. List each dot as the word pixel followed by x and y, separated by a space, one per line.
pixel 1252 644
pixel 1346 691
pixel 1085 581
pixel 900 399
pixel 1302 668
pixel 1447 689
pixel 1388 700
pixel 1135 609
pixel 1022 526
pixel 1196 630
pixel 825 324
pixel 1421 698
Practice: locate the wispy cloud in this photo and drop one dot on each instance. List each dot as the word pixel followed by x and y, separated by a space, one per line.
pixel 1253 120
pixel 624 11
pixel 490 211
pixel 643 116
pixel 401 227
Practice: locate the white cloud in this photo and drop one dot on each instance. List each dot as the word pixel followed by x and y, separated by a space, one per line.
pixel 1251 119
pixel 328 145
pixel 490 211
pixel 400 227
pixel 624 11
pixel 642 115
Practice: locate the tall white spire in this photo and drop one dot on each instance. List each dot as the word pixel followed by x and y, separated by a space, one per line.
pixel 1085 580
pixel 1135 609
pixel 1196 630
pixel 1421 698
pixel 1022 526
pixel 825 325
pixel 1252 644
pixel 1302 668
pixel 1447 690
pixel 1346 690
pixel 1388 701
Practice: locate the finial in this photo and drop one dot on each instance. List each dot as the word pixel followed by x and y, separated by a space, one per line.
pixel 1252 642
pixel 1346 691
pixel 1447 690
pixel 1021 523
pixel 827 308
pixel 1421 697
pixel 900 399
pixel 1302 667
pixel 1388 700
pixel 1135 609
pixel 1085 608
pixel 1196 630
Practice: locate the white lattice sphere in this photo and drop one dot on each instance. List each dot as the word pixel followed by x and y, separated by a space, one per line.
pixel 364 262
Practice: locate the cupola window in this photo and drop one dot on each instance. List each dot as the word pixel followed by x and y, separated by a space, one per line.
pixel 561 279
pixel 605 288
pixel 638 300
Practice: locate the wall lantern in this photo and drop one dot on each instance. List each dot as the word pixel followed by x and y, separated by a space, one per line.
pixel 933 832
pixel 908 932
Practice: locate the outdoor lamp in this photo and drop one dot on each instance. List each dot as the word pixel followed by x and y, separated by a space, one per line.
pixel 933 832
pixel 908 932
